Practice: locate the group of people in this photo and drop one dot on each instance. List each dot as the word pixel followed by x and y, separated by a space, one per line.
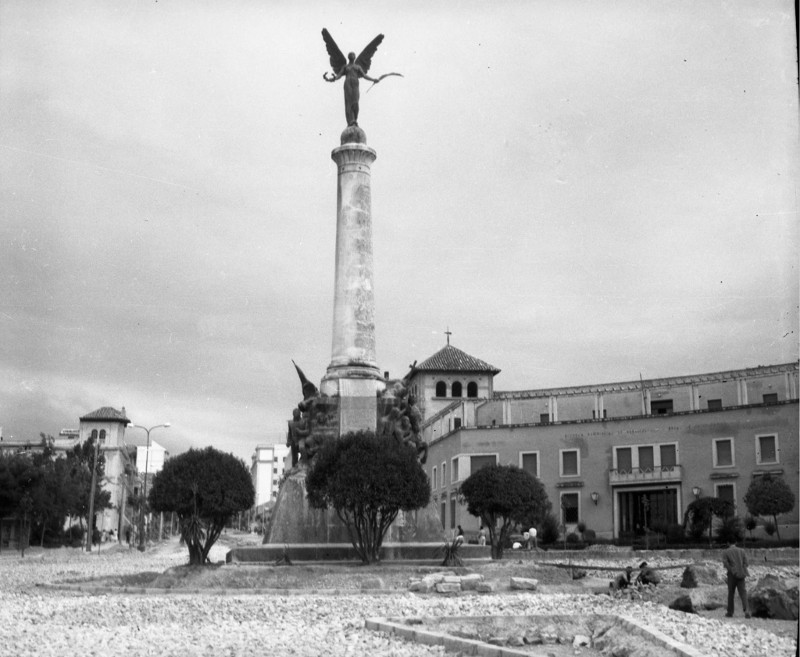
pixel 734 559
pixel 647 576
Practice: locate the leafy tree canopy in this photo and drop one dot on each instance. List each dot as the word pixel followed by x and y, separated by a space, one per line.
pixel 503 496
pixel 367 479
pixel 769 496
pixel 204 488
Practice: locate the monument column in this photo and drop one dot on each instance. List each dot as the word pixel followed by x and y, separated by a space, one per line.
pixel 353 371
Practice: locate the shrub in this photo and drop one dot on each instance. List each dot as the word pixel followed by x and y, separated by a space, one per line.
pixel 573 538
pixel 750 523
pixel 770 527
pixel 589 536
pixel 675 533
pixel 730 530
pixel 581 527
pixel 550 529
pixel 450 551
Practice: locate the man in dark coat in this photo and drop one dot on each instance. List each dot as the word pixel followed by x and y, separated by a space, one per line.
pixel 735 561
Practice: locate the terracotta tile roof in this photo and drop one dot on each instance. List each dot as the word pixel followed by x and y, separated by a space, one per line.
pixel 450 359
pixel 106 413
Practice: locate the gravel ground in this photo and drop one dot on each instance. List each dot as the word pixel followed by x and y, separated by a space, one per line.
pixel 36 621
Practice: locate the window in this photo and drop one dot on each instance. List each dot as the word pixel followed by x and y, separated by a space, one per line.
pixel 454 469
pixel 444 475
pixel 569 463
pixel 624 459
pixel 456 423
pixel 646 463
pixel 771 398
pixel 274 470
pixel 723 452
pixel 443 513
pixel 478 462
pixel 433 478
pixel 472 389
pixel 530 463
pixel 767 449
pixel 457 389
pixel 452 513
pixel 725 492
pixel 569 508
pixel 441 389
pixel 714 404
pixel 94 434
pixel 669 455
pixel 102 436
pixel 544 418
pixel 661 407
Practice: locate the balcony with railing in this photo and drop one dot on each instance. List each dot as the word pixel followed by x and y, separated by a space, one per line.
pixel 657 474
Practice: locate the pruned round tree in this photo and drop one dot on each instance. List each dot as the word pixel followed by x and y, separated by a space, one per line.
pixel 769 496
pixel 367 480
pixel 502 496
pixel 204 488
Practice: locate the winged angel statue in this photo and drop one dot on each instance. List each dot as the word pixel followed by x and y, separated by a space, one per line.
pixel 351 69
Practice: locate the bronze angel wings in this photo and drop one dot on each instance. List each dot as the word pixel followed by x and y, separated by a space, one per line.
pixel 338 60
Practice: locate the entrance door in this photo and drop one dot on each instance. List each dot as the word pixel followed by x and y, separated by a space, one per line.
pixel 640 509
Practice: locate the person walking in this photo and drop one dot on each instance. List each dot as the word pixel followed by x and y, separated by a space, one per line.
pixel 734 559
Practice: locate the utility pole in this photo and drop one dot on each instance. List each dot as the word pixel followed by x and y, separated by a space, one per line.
pixel 90 522
pixel 142 538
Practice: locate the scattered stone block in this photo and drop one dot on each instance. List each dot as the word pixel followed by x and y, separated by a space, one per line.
pixel 524 583
pixel 581 640
pixel 372 583
pixel 470 582
pixel 421 586
pixel 695 575
pixel 697 599
pixel 771 598
pixel 485 587
pixel 448 587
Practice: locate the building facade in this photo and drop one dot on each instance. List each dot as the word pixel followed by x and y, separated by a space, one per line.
pixel 268 463
pixel 623 458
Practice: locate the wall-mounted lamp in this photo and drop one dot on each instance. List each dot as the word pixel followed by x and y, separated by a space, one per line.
pixel 696 490
pixel 595 496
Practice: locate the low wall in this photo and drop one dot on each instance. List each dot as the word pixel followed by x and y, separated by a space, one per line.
pixel 346 552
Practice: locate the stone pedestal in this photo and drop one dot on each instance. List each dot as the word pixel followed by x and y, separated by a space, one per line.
pixel 294 522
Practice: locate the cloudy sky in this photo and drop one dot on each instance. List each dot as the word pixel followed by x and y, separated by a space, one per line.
pixel 582 192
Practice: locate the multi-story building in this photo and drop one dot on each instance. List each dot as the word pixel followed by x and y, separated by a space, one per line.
pixel 267 468
pixel 621 457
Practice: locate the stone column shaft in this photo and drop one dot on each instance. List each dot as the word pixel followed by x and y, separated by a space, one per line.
pixel 353 348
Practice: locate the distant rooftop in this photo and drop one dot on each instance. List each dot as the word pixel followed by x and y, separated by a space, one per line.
pixel 451 359
pixel 106 413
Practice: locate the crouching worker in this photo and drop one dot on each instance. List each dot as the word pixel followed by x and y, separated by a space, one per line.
pixel 621 581
pixel 647 575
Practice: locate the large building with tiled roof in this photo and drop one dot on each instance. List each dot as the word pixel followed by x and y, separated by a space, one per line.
pixel 625 458
pixel 447 375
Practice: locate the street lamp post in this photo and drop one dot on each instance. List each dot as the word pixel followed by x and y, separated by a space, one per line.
pixel 144 486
